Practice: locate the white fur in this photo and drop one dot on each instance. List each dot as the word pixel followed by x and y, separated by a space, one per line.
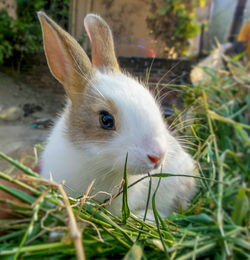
pixel 143 132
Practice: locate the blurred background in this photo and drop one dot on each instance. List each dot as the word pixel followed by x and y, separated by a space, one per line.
pixel 144 28
pixel 170 36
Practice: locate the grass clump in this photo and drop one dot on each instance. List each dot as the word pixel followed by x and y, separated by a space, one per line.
pixel 215 226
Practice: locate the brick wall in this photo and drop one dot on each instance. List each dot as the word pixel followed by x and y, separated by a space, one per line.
pixel 168 71
pixel 173 71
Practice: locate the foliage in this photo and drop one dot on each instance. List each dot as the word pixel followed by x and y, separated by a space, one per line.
pixel 22 37
pixel 174 23
pixel 6 36
pixel 216 225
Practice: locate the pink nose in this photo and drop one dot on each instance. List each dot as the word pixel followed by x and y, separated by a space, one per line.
pixel 154 159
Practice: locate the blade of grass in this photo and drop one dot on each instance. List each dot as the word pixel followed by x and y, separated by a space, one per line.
pixel 33 248
pixel 198 251
pixel 29 229
pixel 116 238
pixel 156 215
pixel 125 208
pixel 18 193
pixel 221 174
pixel 147 204
pixel 19 165
pixel 19 183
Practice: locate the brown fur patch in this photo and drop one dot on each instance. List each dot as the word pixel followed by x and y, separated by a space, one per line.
pixel 83 120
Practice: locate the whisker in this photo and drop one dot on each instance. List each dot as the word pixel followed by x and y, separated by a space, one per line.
pixel 183 122
pixel 178 117
pixel 187 126
pixel 185 137
pixel 160 98
pixel 188 147
pixel 149 71
pixel 188 143
pixel 187 122
pixel 164 75
pixel 174 79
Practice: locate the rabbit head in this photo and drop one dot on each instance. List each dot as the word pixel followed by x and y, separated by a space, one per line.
pixel 109 114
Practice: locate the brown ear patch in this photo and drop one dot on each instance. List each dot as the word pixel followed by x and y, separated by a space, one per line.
pixel 83 121
pixel 103 52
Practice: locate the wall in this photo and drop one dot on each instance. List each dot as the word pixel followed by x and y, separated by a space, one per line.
pixel 127 20
pixel 171 71
pixel 174 71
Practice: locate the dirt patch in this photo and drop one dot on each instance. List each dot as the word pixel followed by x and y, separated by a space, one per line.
pixel 37 106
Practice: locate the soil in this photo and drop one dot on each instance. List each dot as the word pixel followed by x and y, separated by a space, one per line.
pixel 38 111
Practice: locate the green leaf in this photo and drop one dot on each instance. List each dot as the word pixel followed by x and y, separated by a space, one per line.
pixel 201 218
pixel 240 207
pixel 125 208
pixel 241 242
pixel 18 194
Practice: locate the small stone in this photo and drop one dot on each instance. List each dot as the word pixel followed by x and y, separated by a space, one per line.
pixel 30 109
pixel 11 114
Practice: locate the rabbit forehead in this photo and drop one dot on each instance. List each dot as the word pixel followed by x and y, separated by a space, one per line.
pixel 137 107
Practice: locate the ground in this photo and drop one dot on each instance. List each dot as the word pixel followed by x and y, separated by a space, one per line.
pixel 18 137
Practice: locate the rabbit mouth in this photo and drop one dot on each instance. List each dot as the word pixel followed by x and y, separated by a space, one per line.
pixel 143 169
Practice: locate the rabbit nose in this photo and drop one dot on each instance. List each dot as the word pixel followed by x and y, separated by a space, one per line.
pixel 154 159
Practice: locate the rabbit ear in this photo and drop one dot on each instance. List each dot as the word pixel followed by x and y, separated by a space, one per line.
pixel 103 53
pixel 67 61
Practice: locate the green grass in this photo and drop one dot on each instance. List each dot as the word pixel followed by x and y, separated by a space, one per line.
pixel 215 226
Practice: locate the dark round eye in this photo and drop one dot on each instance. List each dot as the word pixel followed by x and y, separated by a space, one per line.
pixel 106 120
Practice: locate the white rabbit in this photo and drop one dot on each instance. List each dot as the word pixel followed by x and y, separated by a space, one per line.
pixel 109 114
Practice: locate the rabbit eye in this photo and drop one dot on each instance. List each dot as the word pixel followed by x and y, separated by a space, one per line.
pixel 106 120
